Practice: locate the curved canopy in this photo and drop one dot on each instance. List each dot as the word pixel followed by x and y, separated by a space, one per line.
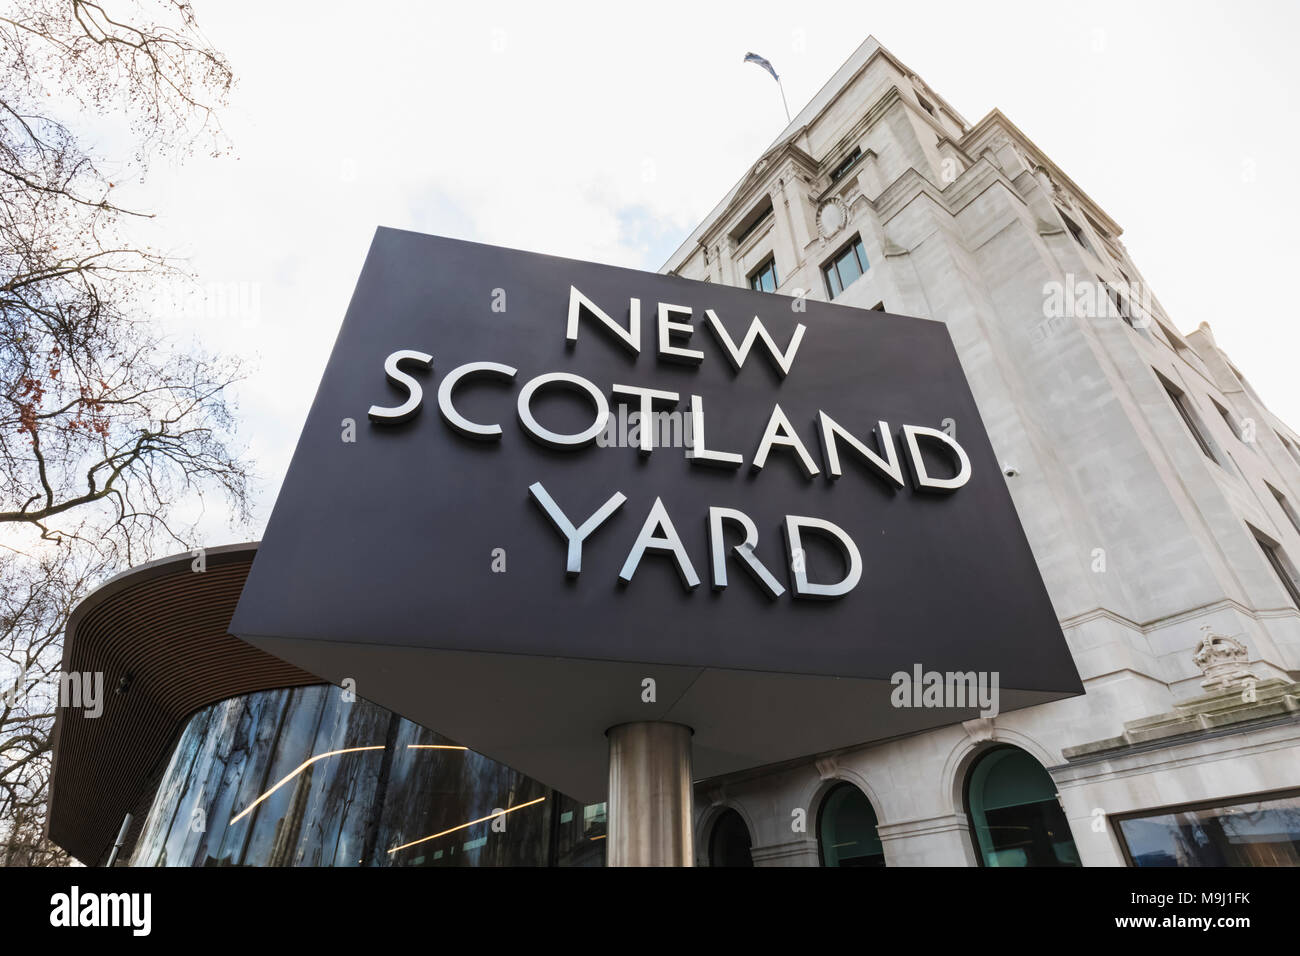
pixel 158 634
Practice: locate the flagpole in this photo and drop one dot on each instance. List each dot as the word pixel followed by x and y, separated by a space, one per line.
pixel 781 86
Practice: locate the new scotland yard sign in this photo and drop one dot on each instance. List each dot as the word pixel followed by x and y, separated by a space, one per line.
pixel 537 497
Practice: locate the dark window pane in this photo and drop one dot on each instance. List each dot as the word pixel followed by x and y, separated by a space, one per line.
pixel 861 254
pixel 1263 833
pixel 1189 418
pixel 729 842
pixel 1274 558
pixel 1286 507
pixel 759 219
pixel 848 267
pixel 833 281
pixel 846 164
pixel 1075 231
pixel 846 829
pixel 1014 815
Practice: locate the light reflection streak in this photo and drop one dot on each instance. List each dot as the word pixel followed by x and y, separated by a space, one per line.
pixel 300 768
pixel 462 826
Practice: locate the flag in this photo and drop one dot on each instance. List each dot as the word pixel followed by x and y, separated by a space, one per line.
pixel 763 62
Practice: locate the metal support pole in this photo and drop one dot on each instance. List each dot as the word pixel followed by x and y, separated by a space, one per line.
pixel 121 838
pixel 788 121
pixel 651 805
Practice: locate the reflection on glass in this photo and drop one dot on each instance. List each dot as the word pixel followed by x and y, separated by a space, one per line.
pixel 579 834
pixel 303 777
pixel 764 280
pixel 1263 833
pixel 849 265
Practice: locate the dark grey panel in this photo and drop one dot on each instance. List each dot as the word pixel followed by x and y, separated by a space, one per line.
pixel 388 541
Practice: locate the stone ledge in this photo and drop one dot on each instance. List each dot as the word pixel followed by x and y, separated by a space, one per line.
pixel 1207 712
pixel 803 849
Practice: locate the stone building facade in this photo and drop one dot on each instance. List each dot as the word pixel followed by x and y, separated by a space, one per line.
pixel 1159 495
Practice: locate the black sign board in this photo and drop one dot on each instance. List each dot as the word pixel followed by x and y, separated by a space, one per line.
pixel 481 529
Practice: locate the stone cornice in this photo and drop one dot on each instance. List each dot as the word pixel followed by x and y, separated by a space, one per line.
pixel 1179 617
pixel 1235 709
pixel 911 183
pixel 995 120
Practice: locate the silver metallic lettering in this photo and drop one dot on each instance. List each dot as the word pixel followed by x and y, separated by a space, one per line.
pixel 558 439
pixel 574 536
pixel 414 393
pixel 629 338
pixel 744 551
pixel 668 542
pixel 454 418
pixel 921 478
pixel 795 525
pixel 889 466
pixel 737 355
pixel 779 431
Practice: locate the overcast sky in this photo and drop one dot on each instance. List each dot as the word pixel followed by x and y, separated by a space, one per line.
pixel 606 132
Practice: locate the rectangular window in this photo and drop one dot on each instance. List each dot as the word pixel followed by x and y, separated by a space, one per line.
pixel 1227 418
pixel 845 268
pixel 1280 565
pixel 1188 415
pixel 1285 506
pixel 1254 831
pixel 751 223
pixel 763 279
pixel 845 164
pixel 1118 301
pixel 1290 448
pixel 1075 230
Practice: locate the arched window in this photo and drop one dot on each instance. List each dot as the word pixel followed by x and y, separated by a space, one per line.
pixel 1014 815
pixel 729 842
pixel 846 829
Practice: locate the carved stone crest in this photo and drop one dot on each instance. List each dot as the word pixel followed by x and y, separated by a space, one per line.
pixel 1223 660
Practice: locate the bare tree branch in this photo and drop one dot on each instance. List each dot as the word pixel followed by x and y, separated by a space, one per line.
pixel 107 426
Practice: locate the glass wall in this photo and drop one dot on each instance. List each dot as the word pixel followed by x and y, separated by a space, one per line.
pixel 1014 814
pixel 1262 832
pixel 307 777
